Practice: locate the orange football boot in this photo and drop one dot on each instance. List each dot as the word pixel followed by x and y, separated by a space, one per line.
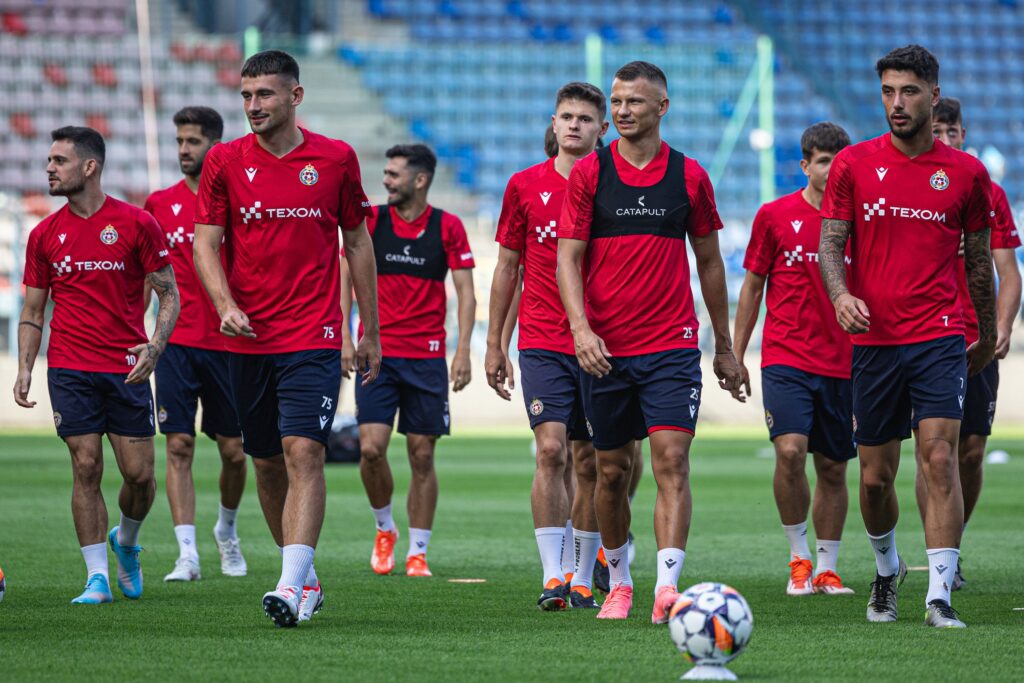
pixel 383 558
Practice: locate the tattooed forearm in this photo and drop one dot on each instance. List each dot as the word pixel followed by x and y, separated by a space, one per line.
pixel 980 284
pixel 166 289
pixel 831 259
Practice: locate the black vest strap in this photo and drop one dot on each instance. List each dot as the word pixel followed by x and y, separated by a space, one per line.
pixel 422 256
pixel 662 209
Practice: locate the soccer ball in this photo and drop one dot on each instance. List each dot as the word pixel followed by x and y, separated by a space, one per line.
pixel 710 624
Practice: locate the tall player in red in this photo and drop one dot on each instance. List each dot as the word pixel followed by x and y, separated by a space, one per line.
pixel 93 257
pixel 629 208
pixel 550 374
pixel 194 367
pixel 276 199
pixel 982 388
pixel 904 200
pixel 805 366
pixel 415 245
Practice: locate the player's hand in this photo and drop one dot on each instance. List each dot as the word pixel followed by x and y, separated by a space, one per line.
pixel 368 358
pixel 147 355
pixel 979 355
pixel 730 378
pixel 1002 344
pixel 852 313
pixel 234 323
pixel 21 387
pixel 592 353
pixel 462 370
pixel 744 382
pixel 348 357
pixel 496 368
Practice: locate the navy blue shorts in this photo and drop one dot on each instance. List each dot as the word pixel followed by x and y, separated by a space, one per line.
pixel 284 394
pixel 552 391
pixel 895 387
pixel 643 394
pixel 99 403
pixel 415 388
pixel 819 407
pixel 187 375
pixel 980 404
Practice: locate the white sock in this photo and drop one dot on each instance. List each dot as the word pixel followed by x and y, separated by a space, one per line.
pixel 128 531
pixel 797 535
pixel 586 544
pixel 311 578
pixel 549 543
pixel 383 518
pixel 95 557
pixel 886 560
pixel 618 566
pixel 296 559
pixel 828 555
pixel 941 568
pixel 225 529
pixel 568 550
pixel 419 539
pixel 186 534
pixel 670 564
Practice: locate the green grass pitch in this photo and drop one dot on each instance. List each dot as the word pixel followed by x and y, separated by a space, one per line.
pixel 395 628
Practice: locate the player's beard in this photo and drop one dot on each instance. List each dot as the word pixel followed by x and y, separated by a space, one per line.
pixel 68 188
pixel 400 198
pixel 907 134
pixel 194 171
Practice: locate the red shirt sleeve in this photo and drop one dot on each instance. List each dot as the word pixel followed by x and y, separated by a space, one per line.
pixel 761 248
pixel 1004 230
pixel 978 213
pixel 512 221
pixel 456 243
pixel 354 207
pixel 151 245
pixel 703 213
pixel 838 200
pixel 37 269
pixel 212 198
pixel 578 207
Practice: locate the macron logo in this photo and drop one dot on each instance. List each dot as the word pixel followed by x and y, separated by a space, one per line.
pixel 881 173
pixel 176 208
pixel 323 420
pixel 796 226
pixel 251 172
pixel 63 236
pixel 544 197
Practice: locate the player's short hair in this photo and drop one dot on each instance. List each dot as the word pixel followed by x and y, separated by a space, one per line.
pixel 210 123
pixel 824 137
pixel 635 70
pixel 947 111
pixel 584 92
pixel 271 63
pixel 88 143
pixel 418 157
pixel 911 58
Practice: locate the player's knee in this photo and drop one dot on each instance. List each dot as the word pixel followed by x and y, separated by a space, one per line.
pixel 790 457
pixel 138 475
pixel 551 455
pixel 372 453
pixel 88 471
pixel 832 475
pixel 876 482
pixel 421 461
pixel 585 466
pixel 972 456
pixel 180 449
pixel 613 473
pixel 232 457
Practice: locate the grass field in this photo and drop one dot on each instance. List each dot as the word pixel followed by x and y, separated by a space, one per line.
pixel 394 628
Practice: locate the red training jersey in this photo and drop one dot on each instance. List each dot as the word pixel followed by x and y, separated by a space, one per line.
pixel 281 219
pixel 1004 236
pixel 528 224
pixel 174 209
pixel 95 269
pixel 907 218
pixel 637 286
pixel 800 328
pixel 412 310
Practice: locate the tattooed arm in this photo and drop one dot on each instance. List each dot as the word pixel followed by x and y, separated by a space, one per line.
pixel 980 285
pixel 163 283
pixel 851 312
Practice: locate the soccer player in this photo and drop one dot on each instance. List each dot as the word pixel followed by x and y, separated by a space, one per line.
pixel 904 200
pixel 805 366
pixel 194 366
pixel 93 255
pixel 415 245
pixel 982 388
pixel 528 234
pixel 629 207
pixel 276 198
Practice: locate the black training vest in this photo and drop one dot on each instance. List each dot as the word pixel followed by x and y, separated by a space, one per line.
pixel 422 256
pixel 620 209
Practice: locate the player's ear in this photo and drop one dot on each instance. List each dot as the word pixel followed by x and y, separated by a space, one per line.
pixel 663 107
pixel 297 93
pixel 90 168
pixel 604 129
pixel 935 95
pixel 804 165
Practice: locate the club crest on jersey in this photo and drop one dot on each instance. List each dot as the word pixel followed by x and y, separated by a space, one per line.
pixel 768 419
pixel 308 175
pixel 939 181
pixel 108 235
pixel 536 407
pixel 161 415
